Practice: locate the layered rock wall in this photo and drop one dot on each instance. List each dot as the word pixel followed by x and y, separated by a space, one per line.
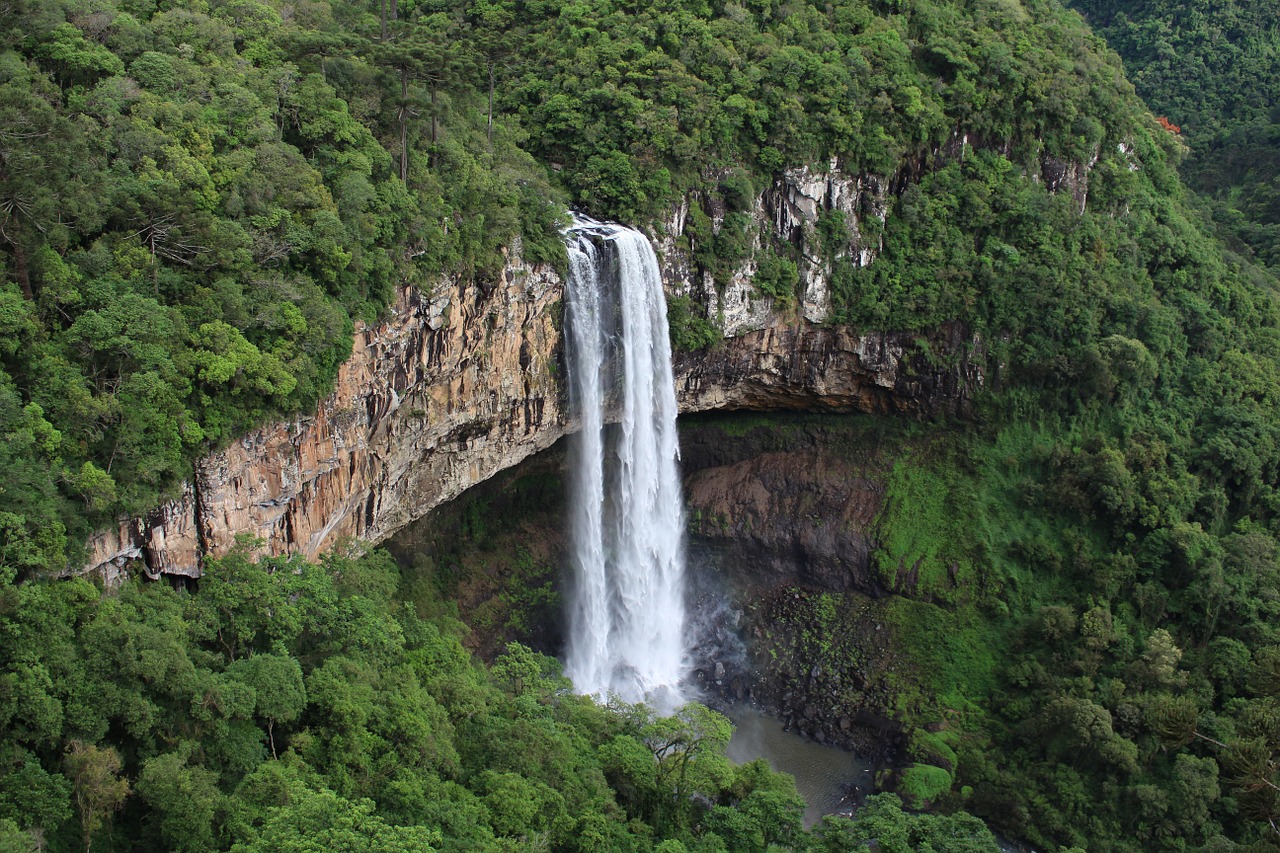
pixel 454 386
pixel 462 382
pixel 810 367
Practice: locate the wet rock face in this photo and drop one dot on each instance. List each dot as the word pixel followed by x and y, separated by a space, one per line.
pixel 788 601
pixel 822 662
pixel 802 516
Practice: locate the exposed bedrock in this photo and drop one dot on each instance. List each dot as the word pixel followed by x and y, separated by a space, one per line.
pixel 466 380
pixel 783 522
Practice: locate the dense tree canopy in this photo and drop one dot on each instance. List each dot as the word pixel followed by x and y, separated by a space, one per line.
pixel 198 202
pixel 1214 71
pixel 338 720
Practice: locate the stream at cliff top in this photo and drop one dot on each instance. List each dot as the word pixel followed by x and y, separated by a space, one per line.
pixel 824 774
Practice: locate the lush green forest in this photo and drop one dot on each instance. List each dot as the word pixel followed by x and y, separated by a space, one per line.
pixel 198 201
pixel 298 707
pixel 1213 69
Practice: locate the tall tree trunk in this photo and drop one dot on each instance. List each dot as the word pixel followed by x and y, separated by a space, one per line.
pixel 404 125
pixel 435 125
pixel 22 271
pixel 489 127
pixel 394 17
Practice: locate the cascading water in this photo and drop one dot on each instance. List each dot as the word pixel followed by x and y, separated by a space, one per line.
pixel 626 621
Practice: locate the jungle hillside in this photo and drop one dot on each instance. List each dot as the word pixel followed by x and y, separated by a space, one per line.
pixel 199 201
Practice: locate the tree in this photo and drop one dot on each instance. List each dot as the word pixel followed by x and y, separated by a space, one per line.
pixel 320 821
pixel 492 23
pixel 96 784
pixel 185 798
pixel 278 689
pixel 408 58
pixel 689 749
pixel 883 825
pixel 14 840
pixel 33 797
pixel 242 603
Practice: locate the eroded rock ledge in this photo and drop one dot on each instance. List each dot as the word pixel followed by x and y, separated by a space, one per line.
pixel 462 382
pixel 810 367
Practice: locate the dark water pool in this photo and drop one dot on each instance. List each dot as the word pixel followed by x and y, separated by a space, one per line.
pixel 824 774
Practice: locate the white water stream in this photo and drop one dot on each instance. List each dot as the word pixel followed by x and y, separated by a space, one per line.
pixel 626 619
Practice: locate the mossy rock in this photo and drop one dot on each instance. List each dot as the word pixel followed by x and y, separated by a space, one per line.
pixel 920 784
pixel 932 748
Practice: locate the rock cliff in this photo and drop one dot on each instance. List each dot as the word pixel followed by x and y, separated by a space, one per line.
pixel 787 213
pixel 454 386
pixel 462 382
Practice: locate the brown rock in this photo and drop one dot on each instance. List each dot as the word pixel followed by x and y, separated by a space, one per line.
pixel 462 382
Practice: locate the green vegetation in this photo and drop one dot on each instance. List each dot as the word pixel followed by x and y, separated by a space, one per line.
pixel 882 823
pixel 494 554
pixel 1213 74
pixel 291 706
pixel 197 203
pixel 688 328
pixel 1082 644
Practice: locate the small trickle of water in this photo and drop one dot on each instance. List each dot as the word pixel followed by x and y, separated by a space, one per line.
pixel 626 622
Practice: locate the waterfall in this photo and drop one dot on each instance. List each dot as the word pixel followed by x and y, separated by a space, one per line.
pixel 626 619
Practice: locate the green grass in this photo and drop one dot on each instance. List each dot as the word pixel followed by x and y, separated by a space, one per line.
pixel 929 543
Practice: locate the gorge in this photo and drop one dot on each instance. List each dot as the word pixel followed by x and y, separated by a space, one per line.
pixel 977 421
pixel 465 380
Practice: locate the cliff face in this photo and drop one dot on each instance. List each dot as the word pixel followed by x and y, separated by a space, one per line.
pixel 788 212
pixel 462 382
pixel 456 385
pixel 808 367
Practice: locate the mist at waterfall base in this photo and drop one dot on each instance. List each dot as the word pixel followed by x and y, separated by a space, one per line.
pixel 626 615
pixel 628 630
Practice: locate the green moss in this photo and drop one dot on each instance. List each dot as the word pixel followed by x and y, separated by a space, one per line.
pixel 923 783
pixel 954 655
pixel 928 747
pixel 928 529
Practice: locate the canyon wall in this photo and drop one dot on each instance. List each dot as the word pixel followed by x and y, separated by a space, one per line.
pixel 453 386
pixel 461 382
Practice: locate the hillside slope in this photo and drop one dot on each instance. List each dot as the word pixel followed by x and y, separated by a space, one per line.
pixel 1214 71
pixel 197 202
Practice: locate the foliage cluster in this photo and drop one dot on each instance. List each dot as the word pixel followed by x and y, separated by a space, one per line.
pixel 1108 675
pixel 639 101
pixel 290 706
pixel 1214 71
